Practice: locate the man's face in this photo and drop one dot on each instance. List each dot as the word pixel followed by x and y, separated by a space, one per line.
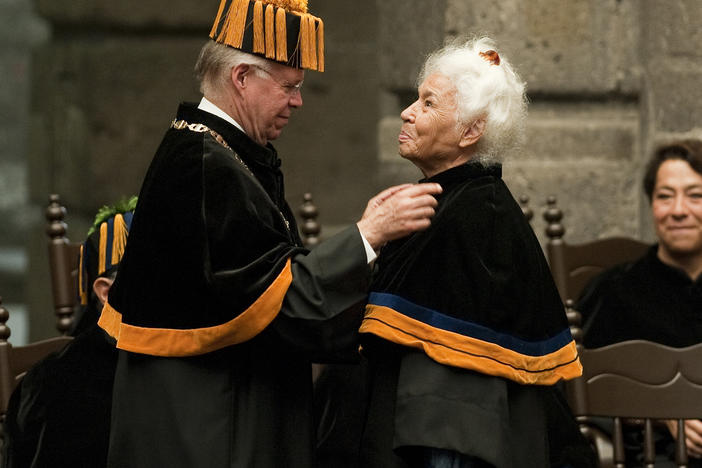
pixel 430 133
pixel 677 209
pixel 274 94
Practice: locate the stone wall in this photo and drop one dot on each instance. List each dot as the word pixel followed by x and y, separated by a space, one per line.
pixel 608 80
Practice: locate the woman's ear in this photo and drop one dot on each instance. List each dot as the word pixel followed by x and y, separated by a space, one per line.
pixel 101 287
pixel 472 133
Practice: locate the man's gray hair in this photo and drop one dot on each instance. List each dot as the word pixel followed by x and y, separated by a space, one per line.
pixel 485 88
pixel 214 66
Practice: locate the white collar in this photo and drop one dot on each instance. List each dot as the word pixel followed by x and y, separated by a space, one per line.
pixel 207 106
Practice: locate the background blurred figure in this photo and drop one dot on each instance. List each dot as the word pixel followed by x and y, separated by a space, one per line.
pixel 464 330
pixel 59 415
pixel 658 297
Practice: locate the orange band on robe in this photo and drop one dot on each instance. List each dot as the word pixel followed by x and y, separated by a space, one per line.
pixel 196 341
pixel 458 350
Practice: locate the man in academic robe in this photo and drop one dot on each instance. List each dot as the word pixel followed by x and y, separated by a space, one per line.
pixel 218 310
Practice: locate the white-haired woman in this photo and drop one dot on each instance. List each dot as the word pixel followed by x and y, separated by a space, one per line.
pixel 464 330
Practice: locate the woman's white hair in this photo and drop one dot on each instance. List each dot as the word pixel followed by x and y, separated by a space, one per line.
pixel 214 65
pixel 485 88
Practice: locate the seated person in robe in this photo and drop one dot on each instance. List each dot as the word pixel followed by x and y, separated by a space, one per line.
pixel 464 331
pixel 59 415
pixel 659 296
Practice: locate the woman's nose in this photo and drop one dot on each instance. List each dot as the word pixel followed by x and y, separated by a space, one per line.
pixel 408 113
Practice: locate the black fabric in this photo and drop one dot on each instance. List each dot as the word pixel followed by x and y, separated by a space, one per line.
pixel 59 415
pixel 205 238
pixel 481 254
pixel 647 300
pixel 479 261
pixel 204 243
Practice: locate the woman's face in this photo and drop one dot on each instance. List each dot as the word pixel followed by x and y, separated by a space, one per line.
pixel 677 210
pixel 430 133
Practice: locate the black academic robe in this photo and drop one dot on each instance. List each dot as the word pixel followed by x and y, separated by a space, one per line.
pixel 59 414
pixel 465 336
pixel 218 311
pixel 643 300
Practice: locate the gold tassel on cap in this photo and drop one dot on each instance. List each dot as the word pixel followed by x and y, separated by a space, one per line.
pixel 309 19
pixel 81 277
pixel 320 45
pixel 232 32
pixel 304 43
pixel 281 40
pixel 213 31
pixel 119 238
pixel 259 43
pixel 102 248
pixel 270 32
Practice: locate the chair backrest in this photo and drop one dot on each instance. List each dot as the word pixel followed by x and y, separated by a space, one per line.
pixel 573 266
pixel 309 226
pixel 15 361
pixel 638 380
pixel 631 380
pixel 63 265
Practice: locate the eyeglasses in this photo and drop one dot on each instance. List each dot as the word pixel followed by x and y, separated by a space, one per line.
pixel 288 88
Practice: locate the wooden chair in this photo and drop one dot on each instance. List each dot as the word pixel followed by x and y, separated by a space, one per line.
pixel 573 266
pixel 636 382
pixel 618 382
pixel 15 361
pixel 63 265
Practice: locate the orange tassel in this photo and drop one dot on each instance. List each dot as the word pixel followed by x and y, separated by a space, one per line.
pixel 320 45
pixel 304 43
pixel 82 293
pixel 312 42
pixel 119 238
pixel 102 248
pixel 235 23
pixel 281 41
pixel 259 45
pixel 217 18
pixel 270 32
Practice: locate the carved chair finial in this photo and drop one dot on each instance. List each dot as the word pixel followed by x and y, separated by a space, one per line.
pixel 4 317
pixel 310 228
pixel 553 216
pixel 526 209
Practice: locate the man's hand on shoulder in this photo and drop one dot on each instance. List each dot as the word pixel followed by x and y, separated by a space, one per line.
pixel 398 211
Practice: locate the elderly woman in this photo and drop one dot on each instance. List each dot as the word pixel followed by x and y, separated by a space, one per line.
pixel 464 330
pixel 659 296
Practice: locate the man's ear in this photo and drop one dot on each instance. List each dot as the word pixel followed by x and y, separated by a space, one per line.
pixel 239 75
pixel 101 287
pixel 472 133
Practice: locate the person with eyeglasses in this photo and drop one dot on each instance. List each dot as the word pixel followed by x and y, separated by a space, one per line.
pixel 218 310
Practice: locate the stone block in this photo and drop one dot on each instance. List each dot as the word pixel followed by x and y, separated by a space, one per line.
pixel 130 13
pixel 675 95
pixel 408 31
pixel 598 198
pixel 103 107
pixel 573 131
pixel 672 28
pixel 388 130
pixel 556 46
